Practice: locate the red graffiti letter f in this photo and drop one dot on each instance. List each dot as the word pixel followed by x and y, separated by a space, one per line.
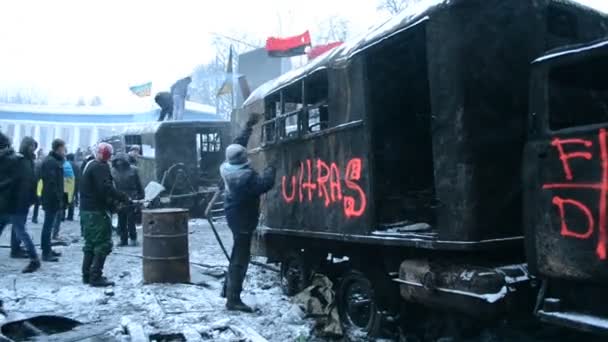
pixel 564 157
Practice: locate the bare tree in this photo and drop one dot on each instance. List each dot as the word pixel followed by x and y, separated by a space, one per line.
pixel 333 29
pixel 394 6
pixel 209 78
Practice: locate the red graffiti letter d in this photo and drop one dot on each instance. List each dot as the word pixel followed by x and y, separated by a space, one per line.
pixel 565 231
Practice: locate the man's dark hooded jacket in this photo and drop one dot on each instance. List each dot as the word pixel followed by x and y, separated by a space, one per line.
pixel 51 173
pixel 25 187
pixel 244 186
pixel 126 177
pixel 9 172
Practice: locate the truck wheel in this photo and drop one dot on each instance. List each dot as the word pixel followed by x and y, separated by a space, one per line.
pixel 295 273
pixel 357 303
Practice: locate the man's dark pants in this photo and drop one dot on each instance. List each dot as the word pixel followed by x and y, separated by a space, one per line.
pixel 5 220
pixel 126 225
pixel 36 210
pixel 18 233
pixel 242 230
pixel 57 224
pixel 50 215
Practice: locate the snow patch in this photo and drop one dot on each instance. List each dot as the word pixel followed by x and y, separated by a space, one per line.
pixel 594 321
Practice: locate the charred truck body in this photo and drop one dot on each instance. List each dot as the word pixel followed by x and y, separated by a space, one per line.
pixel 566 163
pixel 403 151
pixel 183 156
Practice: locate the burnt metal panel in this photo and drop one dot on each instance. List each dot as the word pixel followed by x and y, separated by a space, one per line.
pixel 565 172
pixel 479 55
pixel 322 183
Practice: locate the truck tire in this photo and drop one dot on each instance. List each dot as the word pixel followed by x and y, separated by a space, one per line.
pixel 357 305
pixel 295 273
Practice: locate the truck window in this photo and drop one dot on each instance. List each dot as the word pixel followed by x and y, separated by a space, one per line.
pixel 297 109
pixel 578 94
pixel 209 142
pixel 316 91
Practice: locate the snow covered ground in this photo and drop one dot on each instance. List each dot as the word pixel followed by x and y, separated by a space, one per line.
pixel 196 311
pixel 57 289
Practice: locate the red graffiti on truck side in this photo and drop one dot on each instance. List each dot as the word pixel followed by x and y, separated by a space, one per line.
pixel 316 179
pixel 601 187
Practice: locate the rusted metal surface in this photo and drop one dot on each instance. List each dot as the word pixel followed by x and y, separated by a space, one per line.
pixel 448 121
pixel 165 246
pixel 474 290
pixel 566 185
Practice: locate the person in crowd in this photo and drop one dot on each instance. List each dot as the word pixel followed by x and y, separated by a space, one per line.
pixel 8 168
pixel 165 101
pixel 51 173
pixel 37 167
pixel 126 179
pixel 134 153
pixel 25 195
pixel 71 158
pixel 40 154
pixel 68 196
pixel 98 198
pixel 18 193
pixel 243 188
pixel 179 92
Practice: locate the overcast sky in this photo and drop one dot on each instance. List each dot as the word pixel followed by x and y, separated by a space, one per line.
pixel 89 47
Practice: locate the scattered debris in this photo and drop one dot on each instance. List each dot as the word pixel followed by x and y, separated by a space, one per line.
pixel 134 330
pixel 318 301
pixel 224 330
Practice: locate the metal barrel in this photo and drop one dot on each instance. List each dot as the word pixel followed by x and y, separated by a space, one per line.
pixel 165 246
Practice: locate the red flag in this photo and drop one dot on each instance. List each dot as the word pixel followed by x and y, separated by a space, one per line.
pixel 318 50
pixel 288 47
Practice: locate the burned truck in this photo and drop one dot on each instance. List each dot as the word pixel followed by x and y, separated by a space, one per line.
pixel 400 154
pixel 566 165
pixel 183 156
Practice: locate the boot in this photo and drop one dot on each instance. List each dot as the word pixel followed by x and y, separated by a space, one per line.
pixel 32 266
pixel 96 278
pixel 87 261
pixel 19 254
pixel 235 303
pixel 49 258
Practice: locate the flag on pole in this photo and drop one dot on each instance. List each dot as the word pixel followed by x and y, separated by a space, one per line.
pixel 318 50
pixel 288 47
pixel 142 90
pixel 226 87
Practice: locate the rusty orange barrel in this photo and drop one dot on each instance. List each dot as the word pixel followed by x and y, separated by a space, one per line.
pixel 165 246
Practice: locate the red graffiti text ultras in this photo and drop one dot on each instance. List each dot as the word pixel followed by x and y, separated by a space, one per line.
pixel 317 180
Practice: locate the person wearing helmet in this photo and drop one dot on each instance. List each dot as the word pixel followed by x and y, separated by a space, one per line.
pixel 98 198
pixel 243 188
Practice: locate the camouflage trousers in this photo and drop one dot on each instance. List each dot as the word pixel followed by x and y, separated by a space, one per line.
pixel 97 231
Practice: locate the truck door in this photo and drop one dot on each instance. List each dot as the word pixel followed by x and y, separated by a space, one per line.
pixel 566 168
pixel 210 155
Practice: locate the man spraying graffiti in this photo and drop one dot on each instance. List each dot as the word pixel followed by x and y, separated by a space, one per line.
pixel 243 186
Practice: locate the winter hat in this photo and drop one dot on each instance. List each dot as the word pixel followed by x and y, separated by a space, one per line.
pixel 104 151
pixel 236 155
pixel 4 141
